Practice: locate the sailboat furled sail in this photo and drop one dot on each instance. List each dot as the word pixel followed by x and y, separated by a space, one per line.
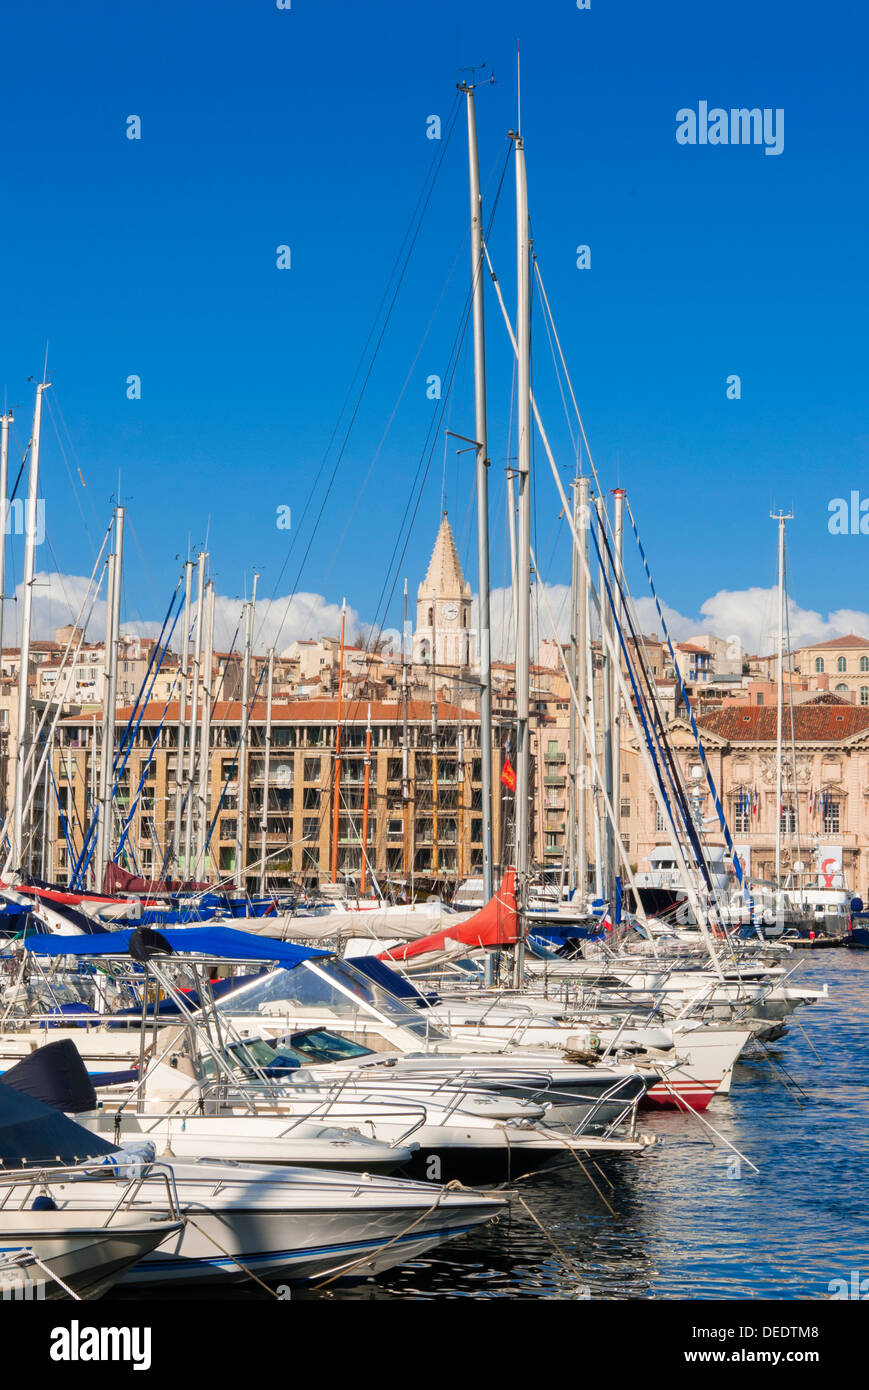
pixel 494 925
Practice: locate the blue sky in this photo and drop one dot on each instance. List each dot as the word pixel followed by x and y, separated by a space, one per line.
pixel 307 127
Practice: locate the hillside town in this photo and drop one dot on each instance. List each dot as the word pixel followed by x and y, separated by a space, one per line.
pixel 423 820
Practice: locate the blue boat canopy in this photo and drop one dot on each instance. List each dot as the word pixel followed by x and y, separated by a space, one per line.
pixel 225 942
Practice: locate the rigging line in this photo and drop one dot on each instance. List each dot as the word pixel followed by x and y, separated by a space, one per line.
pixel 434 428
pixel 558 378
pixel 366 378
pixel 156 589
pixel 75 490
pixel 719 809
pixel 398 401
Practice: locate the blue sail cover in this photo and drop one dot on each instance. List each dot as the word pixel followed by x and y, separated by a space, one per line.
pixel 225 942
pixel 32 1133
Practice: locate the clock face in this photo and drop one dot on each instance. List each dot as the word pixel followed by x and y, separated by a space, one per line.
pixel 451 612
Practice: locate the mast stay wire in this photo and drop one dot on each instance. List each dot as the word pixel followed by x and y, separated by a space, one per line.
pixel 412 233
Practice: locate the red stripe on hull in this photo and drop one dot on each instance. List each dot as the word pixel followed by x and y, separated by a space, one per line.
pixel 697 1094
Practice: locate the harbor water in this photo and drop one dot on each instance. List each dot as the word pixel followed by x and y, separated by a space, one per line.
pixel 691 1219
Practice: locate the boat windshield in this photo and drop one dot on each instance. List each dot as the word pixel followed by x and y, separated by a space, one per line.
pixel 330 986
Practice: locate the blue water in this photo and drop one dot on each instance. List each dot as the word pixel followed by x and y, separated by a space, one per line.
pixel 690 1221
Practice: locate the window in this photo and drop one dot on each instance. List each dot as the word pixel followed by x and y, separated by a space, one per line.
pixel 760 698
pixel 841 664
pixel 741 818
pixel 864 694
pixel 660 823
pixel 788 820
pixel 842 688
pixel 864 663
pixel 625 810
pixel 832 820
pixel 819 663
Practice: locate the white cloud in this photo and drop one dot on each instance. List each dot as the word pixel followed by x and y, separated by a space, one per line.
pixel 751 615
pixel 57 599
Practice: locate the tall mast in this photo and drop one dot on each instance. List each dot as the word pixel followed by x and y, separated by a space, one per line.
pixel 241 819
pixel 264 821
pixel 365 801
pixel 581 881
pixel 781 518
pixel 434 747
pixel 607 688
pixel 105 771
pixel 481 439
pixel 182 715
pixel 26 621
pixel 336 780
pixel 572 732
pixel 407 851
pixel 523 547
pixel 5 421
pixel 104 828
pixel 205 739
pixel 194 713
pixel 615 702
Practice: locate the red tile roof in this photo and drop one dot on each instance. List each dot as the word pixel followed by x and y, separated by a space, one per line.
pixel 851 640
pixel 353 711
pixel 814 722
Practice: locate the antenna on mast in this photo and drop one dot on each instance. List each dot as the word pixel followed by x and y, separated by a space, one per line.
pixel 518 90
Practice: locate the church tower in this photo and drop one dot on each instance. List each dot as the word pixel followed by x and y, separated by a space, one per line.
pixel 443 608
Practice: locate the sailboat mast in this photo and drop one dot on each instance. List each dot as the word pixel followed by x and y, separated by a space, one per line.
pixel 241 819
pixel 523 548
pixel 607 686
pixel 182 716
pixel 264 821
pixel 105 774
pixel 407 853
pixel 26 622
pixel 572 750
pixel 365 802
pixel 205 733
pixel 104 829
pixel 336 781
pixel 581 880
pixel 194 712
pixel 434 748
pixel 5 421
pixel 615 702
pixel 482 480
pixel 781 518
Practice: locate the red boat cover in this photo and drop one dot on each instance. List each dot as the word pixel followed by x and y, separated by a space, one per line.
pixel 496 924
pixel 118 880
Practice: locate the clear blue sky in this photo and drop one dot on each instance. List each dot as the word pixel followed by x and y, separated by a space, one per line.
pixel 307 127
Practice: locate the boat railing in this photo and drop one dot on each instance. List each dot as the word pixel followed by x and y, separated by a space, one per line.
pixel 267 1100
pixel 23 1182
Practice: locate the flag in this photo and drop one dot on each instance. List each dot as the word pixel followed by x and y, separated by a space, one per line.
pixel 754 804
pixel 811 801
pixel 606 921
pixel 508 776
